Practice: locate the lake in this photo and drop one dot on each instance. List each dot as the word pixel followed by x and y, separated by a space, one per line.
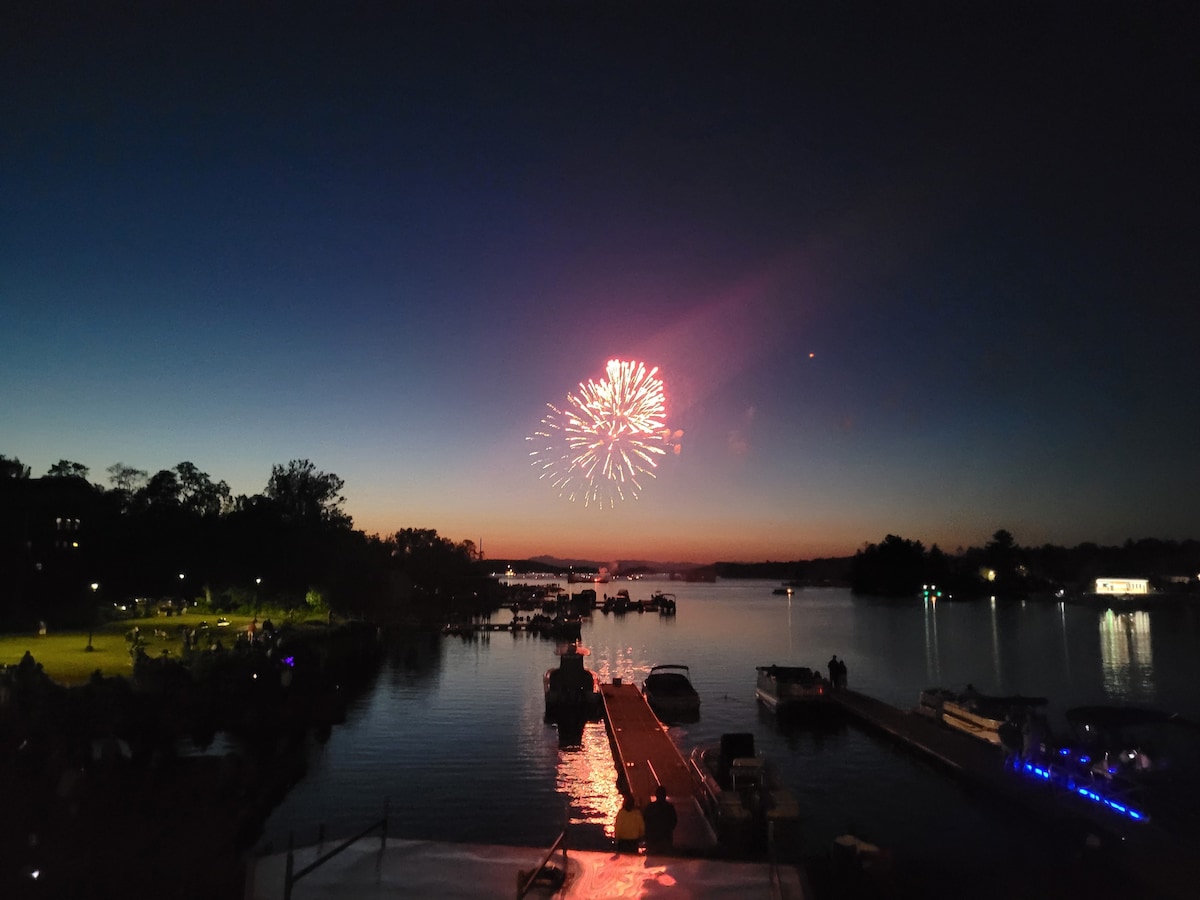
pixel 452 732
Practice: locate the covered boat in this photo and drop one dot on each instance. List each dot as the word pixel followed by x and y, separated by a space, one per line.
pixel 976 714
pixel 741 794
pixel 571 688
pixel 663 602
pixel 787 689
pixel 669 691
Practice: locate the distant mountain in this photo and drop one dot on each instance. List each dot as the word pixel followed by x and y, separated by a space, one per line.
pixel 816 571
pixel 621 565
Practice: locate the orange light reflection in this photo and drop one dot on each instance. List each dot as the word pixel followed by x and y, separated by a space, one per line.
pixel 586 775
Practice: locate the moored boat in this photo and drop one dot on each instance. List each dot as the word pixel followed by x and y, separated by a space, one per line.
pixel 669 691
pixel 741 794
pixel 619 603
pixel 976 714
pixel 787 689
pixel 571 688
pixel 664 603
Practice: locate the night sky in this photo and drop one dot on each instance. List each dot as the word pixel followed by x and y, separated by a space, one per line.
pixel 916 268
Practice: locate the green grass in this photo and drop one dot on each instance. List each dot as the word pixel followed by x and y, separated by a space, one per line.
pixel 65 658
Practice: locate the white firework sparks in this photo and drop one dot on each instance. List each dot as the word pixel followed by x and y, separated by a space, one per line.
pixel 606 439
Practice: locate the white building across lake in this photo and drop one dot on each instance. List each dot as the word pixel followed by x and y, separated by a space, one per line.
pixel 1122 586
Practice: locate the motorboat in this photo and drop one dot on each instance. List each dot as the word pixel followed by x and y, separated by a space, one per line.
pixel 791 688
pixel 571 688
pixel 1127 760
pixel 976 714
pixel 741 794
pixel 669 691
pixel 619 603
pixel 663 602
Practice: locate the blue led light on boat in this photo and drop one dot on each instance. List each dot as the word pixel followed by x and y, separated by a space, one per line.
pixel 1067 781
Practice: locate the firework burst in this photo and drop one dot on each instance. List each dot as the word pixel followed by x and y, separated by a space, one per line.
pixel 607 439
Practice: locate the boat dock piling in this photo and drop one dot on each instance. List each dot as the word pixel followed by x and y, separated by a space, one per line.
pixel 646 757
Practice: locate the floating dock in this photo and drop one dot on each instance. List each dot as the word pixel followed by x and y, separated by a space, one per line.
pixel 646 757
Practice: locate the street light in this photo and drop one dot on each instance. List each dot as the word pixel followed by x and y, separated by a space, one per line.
pixel 92 618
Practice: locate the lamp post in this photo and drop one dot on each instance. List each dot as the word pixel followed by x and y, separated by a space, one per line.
pixel 257 584
pixel 92 617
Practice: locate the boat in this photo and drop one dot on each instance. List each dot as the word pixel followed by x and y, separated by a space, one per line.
pixel 669 691
pixel 619 603
pixel 663 602
pixel 786 689
pixel 741 795
pixel 571 689
pixel 973 713
pixel 1151 746
pixel 1126 760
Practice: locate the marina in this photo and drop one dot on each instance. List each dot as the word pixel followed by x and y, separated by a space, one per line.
pixel 454 732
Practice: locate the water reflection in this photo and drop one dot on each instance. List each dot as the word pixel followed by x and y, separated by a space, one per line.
pixel 995 645
pixel 1126 656
pixel 933 665
pixel 585 777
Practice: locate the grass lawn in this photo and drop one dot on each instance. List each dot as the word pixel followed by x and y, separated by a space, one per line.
pixel 65 658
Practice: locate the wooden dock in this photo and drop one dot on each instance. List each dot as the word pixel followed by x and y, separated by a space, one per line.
pixel 646 757
pixel 1169 864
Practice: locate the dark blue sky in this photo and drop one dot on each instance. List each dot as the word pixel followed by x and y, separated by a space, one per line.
pixel 383 236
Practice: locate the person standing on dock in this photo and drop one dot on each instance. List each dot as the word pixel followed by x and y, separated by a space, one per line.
pixel 834 670
pixel 660 818
pixel 630 827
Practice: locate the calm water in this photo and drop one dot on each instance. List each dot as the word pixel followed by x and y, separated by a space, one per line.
pixel 453 732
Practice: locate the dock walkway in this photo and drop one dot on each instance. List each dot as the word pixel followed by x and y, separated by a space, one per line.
pixel 646 757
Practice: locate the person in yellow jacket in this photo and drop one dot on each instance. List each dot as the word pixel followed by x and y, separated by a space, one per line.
pixel 630 827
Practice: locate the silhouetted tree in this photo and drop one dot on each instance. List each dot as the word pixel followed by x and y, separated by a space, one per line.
pixel 64 468
pixel 12 468
pixel 197 492
pixel 305 495
pixel 894 567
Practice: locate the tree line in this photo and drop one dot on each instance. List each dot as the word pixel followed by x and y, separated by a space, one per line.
pixel 900 567
pixel 70 548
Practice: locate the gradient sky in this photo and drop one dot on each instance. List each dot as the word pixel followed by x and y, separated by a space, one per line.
pixel 917 268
